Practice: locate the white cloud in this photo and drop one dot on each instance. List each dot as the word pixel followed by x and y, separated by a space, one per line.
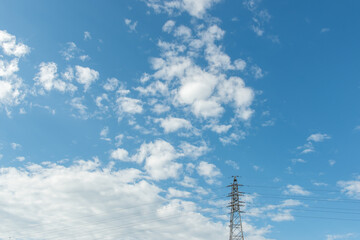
pixel 173 124
pixel 160 108
pixel 129 105
pixel 84 58
pixel 121 155
pixel 15 146
pixel 209 171
pixel 298 160
pixel 130 24
pixel 47 78
pixel 174 193
pixel 220 128
pixel 12 89
pixel 318 137
pixel 339 236
pixel 193 151
pixel 11 92
pixel 332 162
pixel 260 16
pixel 104 134
pixel 86 76
pixel 10 47
pixel 85 194
pixel 119 138
pixel 87 35
pixel 257 72
pixel 351 188
pixel 233 138
pixel 70 51
pixel 196 8
pixel 20 158
pixel 77 104
pixel 159 157
pixel 111 84
pixel 168 26
pixel 296 190
pixel 188 182
pixel 7 69
pixel 232 164
pixel 324 30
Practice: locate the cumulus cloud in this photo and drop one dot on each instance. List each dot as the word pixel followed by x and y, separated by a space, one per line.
pixel 173 124
pixel 70 51
pixel 11 47
pixel 209 171
pixel 86 76
pixel 47 78
pixel 129 105
pixel 77 103
pixel 111 84
pixel 159 157
pixel 12 89
pixel 121 155
pixel 15 146
pixel 351 188
pixel 104 134
pixel 193 151
pixel 168 26
pixel 74 199
pixel 174 193
pixel 296 190
pixel 196 8
pixel 339 236
pixel 130 24
pixel 203 90
pixel 87 35
pixel 318 137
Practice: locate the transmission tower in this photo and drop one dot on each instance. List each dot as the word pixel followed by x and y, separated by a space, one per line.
pixel 236 229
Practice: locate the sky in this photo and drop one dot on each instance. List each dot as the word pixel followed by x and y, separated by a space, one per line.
pixel 127 119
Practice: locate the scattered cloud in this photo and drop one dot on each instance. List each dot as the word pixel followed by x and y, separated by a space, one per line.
pixel 196 8
pixel 340 236
pixel 130 24
pixel 297 160
pixel 351 188
pixel 129 105
pixel 20 158
pixel 232 164
pixel 209 171
pixel 12 89
pixel 87 36
pixel 70 51
pixel 104 134
pixel 159 157
pixel 86 193
pixel 332 162
pixel 111 84
pixel 86 76
pixel 15 146
pixel 318 137
pixel 121 155
pixel 168 26
pixel 77 103
pixel 324 30
pixel 174 193
pixel 296 190
pixel 260 16
pixel 189 150
pixel 11 47
pixel 47 79
pixel 173 124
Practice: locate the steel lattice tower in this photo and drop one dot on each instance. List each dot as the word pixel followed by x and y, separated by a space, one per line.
pixel 236 229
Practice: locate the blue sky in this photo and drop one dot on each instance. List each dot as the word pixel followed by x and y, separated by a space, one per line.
pixel 106 106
